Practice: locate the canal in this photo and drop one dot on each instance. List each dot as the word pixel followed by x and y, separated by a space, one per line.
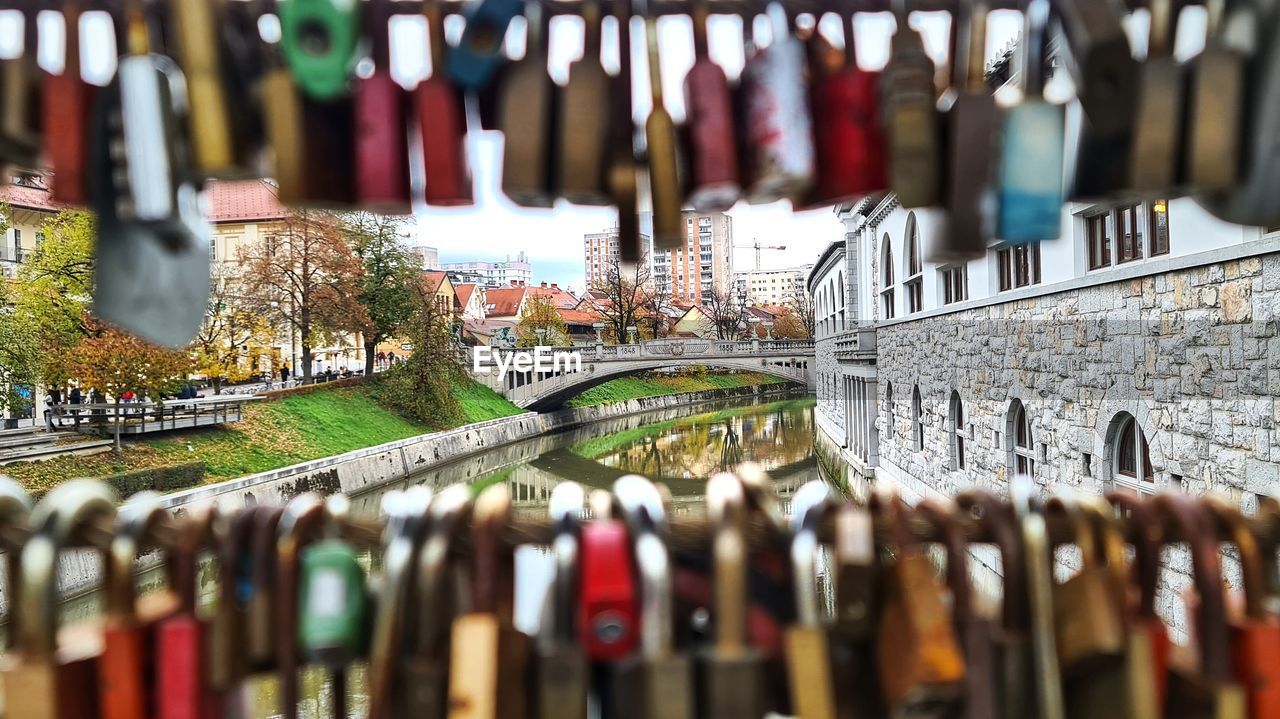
pixel 678 447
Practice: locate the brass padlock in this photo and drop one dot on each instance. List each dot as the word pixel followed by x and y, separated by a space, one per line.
pixel 1147 646
pixel 911 118
pixel 1157 126
pixel 213 143
pixel 808 653
pixel 525 118
pixel 21 137
pixel 858 588
pixel 622 168
pixel 582 133
pixel 1215 114
pixel 669 232
pixel 53 673
pixel 1037 568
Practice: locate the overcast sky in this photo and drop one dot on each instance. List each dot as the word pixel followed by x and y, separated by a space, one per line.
pixel 494 228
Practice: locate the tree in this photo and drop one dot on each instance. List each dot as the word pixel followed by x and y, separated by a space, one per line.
pixel 421 387
pixel 19 357
pixel 726 313
pixel 802 303
pixel 53 293
pixel 788 325
pixel 115 362
pixel 628 298
pixel 306 276
pixel 232 333
pixel 390 270
pixel 540 313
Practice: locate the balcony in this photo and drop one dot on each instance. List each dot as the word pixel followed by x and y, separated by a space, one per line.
pixel 856 344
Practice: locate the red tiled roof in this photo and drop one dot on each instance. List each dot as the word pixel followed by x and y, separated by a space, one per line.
pixel 30 198
pixel 464 291
pixel 243 201
pixel 434 279
pixel 504 301
pixel 578 317
pixel 561 299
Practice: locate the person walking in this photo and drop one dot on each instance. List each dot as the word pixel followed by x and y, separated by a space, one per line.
pixel 284 375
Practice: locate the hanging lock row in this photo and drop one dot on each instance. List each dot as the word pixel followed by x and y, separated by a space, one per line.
pixel 839 611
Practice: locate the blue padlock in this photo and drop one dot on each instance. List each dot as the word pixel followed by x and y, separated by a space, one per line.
pixel 473 62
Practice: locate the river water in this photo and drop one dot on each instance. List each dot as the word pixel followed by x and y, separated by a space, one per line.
pixel 679 447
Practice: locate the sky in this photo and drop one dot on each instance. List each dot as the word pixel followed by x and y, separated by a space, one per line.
pixel 494 228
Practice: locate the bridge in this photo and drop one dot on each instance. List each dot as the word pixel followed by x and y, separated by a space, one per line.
pixel 559 378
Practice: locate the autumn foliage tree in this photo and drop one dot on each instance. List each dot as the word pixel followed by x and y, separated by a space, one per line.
pixel 232 333
pixel 540 314
pixel 390 271
pixel 306 275
pixel 421 387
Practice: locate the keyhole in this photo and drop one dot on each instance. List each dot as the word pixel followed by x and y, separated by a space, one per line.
pixel 486 38
pixel 313 38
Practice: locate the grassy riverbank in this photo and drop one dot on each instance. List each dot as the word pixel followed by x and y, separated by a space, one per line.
pixel 655 384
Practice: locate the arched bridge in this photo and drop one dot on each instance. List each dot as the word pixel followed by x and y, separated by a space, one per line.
pixel 546 380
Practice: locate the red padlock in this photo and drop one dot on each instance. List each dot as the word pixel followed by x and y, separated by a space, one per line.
pixel 609 613
pixel 713 156
pixel 183 686
pixel 850 161
pixel 381 107
pixel 442 118
pixel 65 106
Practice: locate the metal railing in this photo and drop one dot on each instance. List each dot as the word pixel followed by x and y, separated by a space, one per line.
pixel 671 349
pixel 144 417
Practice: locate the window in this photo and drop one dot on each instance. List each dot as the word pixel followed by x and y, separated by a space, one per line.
pixel 955 284
pixel 1131 455
pixel 957 431
pixel 213 249
pixel 886 278
pixel 1018 265
pixel 1127 226
pixel 1023 451
pixel 914 282
pixel 888 410
pixel 917 426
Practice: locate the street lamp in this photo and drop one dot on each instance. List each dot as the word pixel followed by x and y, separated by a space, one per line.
pixel 542 335
pixel 631 335
pixel 768 329
pixel 753 321
pixel 599 328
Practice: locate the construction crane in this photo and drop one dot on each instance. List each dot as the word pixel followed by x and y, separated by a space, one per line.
pixel 755 244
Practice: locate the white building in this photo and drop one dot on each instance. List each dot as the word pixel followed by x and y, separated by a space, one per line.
pixel 772 287
pixel 496 274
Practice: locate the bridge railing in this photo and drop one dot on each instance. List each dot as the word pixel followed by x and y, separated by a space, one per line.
pixel 668 348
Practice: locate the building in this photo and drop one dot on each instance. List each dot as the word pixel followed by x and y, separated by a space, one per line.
pixel 428 256
pixel 496 274
pixel 29 204
pixel 507 303
pixel 772 287
pixel 471 300
pixel 439 284
pixel 600 252
pixel 704 264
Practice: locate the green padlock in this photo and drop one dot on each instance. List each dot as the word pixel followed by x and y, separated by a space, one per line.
pixel 333 604
pixel 319 39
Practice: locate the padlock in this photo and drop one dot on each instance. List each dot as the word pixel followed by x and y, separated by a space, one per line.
pixel 488 656
pixel 477 57
pixel 1251 200
pixel 909 104
pixel 424 665
pixel 1028 196
pixel 406 521
pixel 622 167
pixel 808 653
pixel 254 644
pixel 1106 78
pixel 52 673
pixel 1147 647
pixel 381 111
pixel 127 669
pixel 283 127
pixel 1157 127
pixel 778 126
pixel 199 26
pixel 228 661
pixel 975 630
pixel 972 127
pixel 582 132
pixel 1037 555
pixel 1010 635
pixel 732 671
pixel 15 530
pixel 562 677
pixel 922 668
pixel 329 176
pixel 20 89
pixel 856 618
pixel 1215 108
pixel 184 687
pixel 318 39
pixel 713 153
pixel 1255 637
pixel 525 118
pixel 847 129
pixel 148 211
pixel 669 231
pixel 66 100
pixel 608 611
pixel 658 679
pixel 442 119
pixel 1202 683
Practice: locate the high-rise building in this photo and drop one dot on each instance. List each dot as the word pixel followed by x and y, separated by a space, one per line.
pixel 497 274
pixel 600 250
pixel 704 264
pixel 772 287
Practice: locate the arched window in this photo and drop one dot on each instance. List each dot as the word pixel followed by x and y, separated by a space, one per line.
pixel 890 414
pixel 1131 454
pixel 917 425
pixel 1022 449
pixel 913 282
pixel 957 431
pixel 886 278
pixel 840 301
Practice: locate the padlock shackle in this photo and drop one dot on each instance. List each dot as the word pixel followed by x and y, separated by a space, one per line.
pixel 203 527
pixel 1163 27
pixel 727 510
pixel 490 516
pixel 644 513
pixel 1000 524
pixel 448 515
pixel 953 540
pixel 698 14
pixel 1232 527
pixel 1034 47
pixel 808 507
pixel 15 515
pixel 143 524
pixel 1038 558
pixel 565 511
pixel 1144 535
